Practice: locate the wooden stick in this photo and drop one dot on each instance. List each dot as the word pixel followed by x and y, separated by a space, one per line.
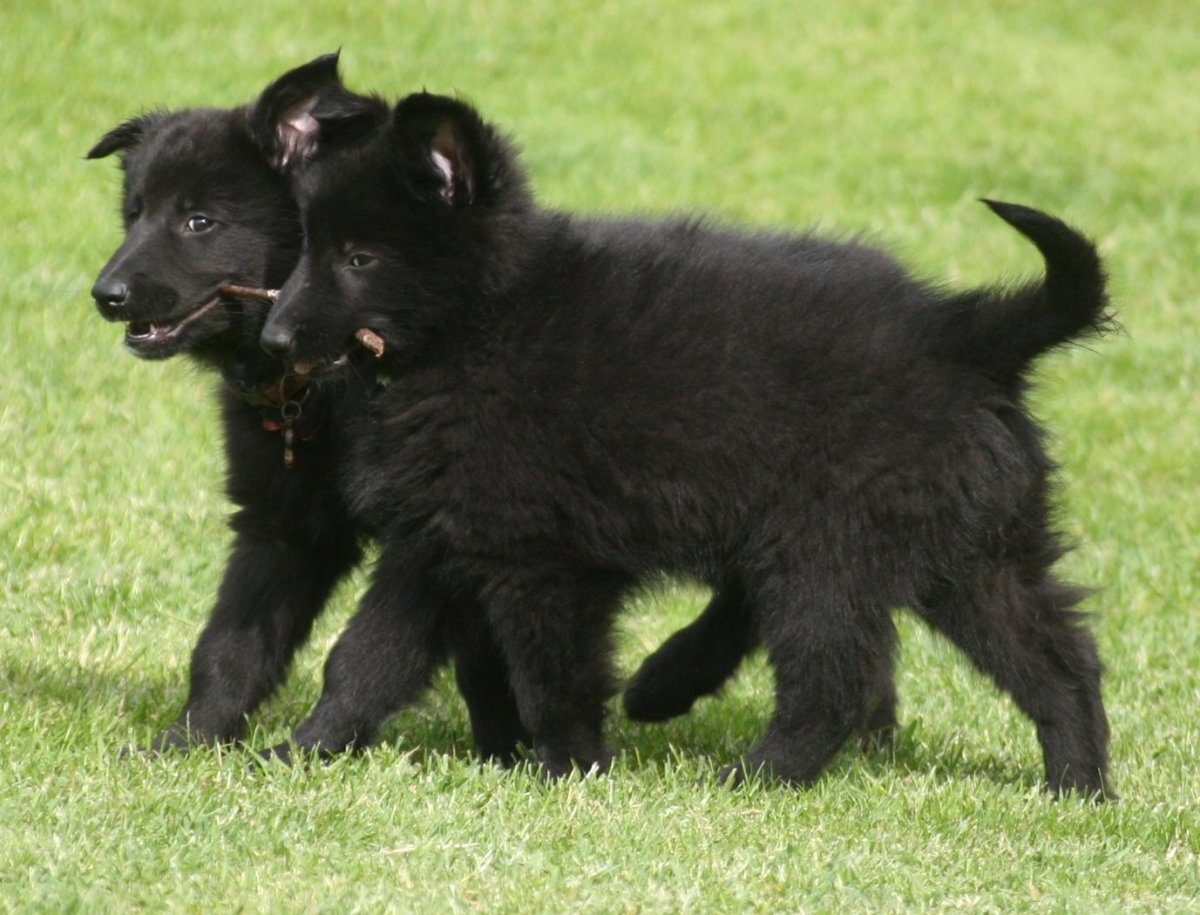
pixel 249 292
pixel 371 341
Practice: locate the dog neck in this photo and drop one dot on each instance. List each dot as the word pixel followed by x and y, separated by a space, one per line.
pixel 275 395
pixel 280 408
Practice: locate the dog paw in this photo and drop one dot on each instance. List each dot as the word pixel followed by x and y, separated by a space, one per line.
pixel 555 763
pixel 647 699
pixel 879 741
pixel 1091 784
pixel 280 753
pixel 732 776
pixel 288 753
pixel 173 740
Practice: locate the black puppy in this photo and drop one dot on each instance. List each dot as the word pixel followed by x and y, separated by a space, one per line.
pixel 576 406
pixel 205 205
pixel 205 210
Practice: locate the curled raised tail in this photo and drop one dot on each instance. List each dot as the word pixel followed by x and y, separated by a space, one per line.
pixel 1000 331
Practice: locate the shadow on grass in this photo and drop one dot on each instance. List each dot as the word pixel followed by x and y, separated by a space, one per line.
pixel 722 730
pixel 59 699
pixel 52 700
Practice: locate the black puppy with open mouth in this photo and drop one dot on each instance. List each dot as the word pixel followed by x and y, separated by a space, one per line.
pixel 577 406
pixel 209 221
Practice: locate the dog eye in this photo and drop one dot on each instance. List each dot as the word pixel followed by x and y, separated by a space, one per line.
pixel 198 224
pixel 360 260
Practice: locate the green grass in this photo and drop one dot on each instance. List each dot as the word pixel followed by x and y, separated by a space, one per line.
pixel 885 117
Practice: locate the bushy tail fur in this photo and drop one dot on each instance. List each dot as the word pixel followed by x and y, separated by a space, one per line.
pixel 1001 333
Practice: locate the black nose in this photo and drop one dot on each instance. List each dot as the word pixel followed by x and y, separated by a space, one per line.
pixel 110 296
pixel 277 340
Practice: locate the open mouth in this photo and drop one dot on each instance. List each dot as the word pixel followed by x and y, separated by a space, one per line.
pixel 320 366
pixel 152 334
pixel 371 341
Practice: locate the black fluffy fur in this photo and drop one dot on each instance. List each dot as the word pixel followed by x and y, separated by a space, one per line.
pixel 577 406
pixel 294 538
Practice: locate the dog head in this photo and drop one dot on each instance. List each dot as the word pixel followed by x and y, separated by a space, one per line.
pixel 412 218
pixel 205 202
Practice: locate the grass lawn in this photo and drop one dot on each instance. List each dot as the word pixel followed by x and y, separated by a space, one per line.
pixel 885 117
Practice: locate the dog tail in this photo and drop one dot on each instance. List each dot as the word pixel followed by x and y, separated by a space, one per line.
pixel 1002 333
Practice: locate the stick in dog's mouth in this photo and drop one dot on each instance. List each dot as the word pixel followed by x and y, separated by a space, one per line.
pixel 364 335
pixel 249 292
pixel 371 340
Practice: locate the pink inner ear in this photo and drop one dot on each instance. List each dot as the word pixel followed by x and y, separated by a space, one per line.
pixel 446 167
pixel 297 131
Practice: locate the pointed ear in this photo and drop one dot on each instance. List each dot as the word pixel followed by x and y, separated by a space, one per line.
pixel 343 116
pixel 281 121
pixel 125 136
pixel 444 144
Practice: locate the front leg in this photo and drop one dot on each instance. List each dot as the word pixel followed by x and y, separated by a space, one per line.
pixel 270 595
pixel 381 663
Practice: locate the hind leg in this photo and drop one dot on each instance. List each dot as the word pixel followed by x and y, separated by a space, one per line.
pixel 1020 629
pixel 880 725
pixel 554 629
pixel 695 661
pixel 482 678
pixel 833 676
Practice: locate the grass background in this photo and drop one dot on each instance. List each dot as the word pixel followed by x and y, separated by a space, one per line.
pixel 888 117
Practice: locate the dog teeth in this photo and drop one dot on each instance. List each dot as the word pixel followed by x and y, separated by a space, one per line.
pixel 145 330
